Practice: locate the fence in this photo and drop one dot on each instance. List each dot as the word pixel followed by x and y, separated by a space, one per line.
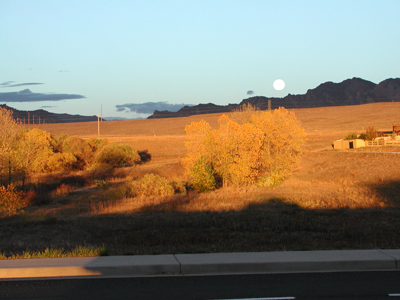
pixel 382 142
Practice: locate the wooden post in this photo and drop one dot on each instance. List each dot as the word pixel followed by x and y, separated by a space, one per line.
pixel 269 104
pixel 28 117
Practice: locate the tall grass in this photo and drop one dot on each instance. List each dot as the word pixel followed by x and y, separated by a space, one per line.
pixel 80 251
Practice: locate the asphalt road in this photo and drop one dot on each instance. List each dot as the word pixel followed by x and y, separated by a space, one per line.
pixel 336 285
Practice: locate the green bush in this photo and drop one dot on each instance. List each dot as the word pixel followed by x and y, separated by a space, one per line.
pixel 351 136
pixel 116 155
pixel 363 136
pixel 203 178
pixel 150 185
pixel 116 193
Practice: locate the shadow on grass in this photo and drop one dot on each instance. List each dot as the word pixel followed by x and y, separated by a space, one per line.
pixel 145 156
pixel 390 191
pixel 269 225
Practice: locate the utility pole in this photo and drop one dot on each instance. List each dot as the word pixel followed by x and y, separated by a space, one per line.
pixel 98 126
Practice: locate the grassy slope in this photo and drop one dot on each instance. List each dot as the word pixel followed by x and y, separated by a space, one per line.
pixel 336 200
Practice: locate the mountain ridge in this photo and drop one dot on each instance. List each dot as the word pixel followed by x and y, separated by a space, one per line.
pixel 41 116
pixel 352 91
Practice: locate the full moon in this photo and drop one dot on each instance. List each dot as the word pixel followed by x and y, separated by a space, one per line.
pixel 279 84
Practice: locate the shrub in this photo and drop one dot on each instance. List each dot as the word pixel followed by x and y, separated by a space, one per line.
pixel 63 189
pixel 61 162
pixel 202 176
pixel 10 201
pixel 179 187
pixel 80 149
pixel 116 155
pixel 150 185
pixel 351 136
pixel 274 179
pixel 116 193
pixel 37 198
pixel 363 136
pixel 371 133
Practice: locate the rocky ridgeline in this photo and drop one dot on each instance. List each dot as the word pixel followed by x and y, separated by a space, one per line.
pixel 348 92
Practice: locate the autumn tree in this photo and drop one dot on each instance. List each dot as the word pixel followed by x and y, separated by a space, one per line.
pixel 283 138
pixel 244 113
pixel 9 130
pixel 260 147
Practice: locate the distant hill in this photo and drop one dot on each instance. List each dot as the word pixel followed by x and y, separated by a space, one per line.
pixel 42 116
pixel 348 92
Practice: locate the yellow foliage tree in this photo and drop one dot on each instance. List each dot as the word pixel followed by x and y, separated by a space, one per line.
pixel 9 130
pixel 34 150
pixel 282 143
pixel 263 146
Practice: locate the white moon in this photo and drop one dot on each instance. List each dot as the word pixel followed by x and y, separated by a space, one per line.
pixel 279 84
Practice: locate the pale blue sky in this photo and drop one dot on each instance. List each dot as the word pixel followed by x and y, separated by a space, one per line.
pixel 133 52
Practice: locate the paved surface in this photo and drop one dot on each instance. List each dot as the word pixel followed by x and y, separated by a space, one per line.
pixel 193 264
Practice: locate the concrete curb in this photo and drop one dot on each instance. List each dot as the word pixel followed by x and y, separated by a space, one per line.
pixel 197 264
pixel 291 261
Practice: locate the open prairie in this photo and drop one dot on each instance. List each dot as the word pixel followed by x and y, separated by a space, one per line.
pixel 335 200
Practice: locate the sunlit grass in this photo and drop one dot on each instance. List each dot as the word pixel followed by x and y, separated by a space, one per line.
pixel 80 251
pixel 336 200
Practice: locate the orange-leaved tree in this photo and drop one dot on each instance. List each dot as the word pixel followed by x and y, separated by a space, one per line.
pixel 9 130
pixel 282 144
pixel 262 148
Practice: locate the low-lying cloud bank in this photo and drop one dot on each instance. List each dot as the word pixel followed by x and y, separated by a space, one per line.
pixel 9 84
pixel 150 107
pixel 29 96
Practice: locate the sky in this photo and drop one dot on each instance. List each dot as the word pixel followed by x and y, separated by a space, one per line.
pixel 128 58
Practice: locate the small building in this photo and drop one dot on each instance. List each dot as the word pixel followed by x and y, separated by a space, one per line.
pixel 348 144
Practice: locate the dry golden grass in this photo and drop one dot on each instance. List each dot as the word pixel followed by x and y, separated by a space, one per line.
pixel 336 200
pixel 326 179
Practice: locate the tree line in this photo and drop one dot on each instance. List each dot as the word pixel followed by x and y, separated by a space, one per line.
pixel 24 151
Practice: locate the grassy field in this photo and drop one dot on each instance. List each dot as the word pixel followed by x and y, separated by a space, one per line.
pixel 336 200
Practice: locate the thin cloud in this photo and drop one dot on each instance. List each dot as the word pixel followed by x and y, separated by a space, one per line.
pixel 150 107
pixel 28 96
pixel 8 84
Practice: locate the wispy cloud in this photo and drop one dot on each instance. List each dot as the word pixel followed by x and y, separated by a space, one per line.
pixel 28 96
pixel 9 84
pixel 150 107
